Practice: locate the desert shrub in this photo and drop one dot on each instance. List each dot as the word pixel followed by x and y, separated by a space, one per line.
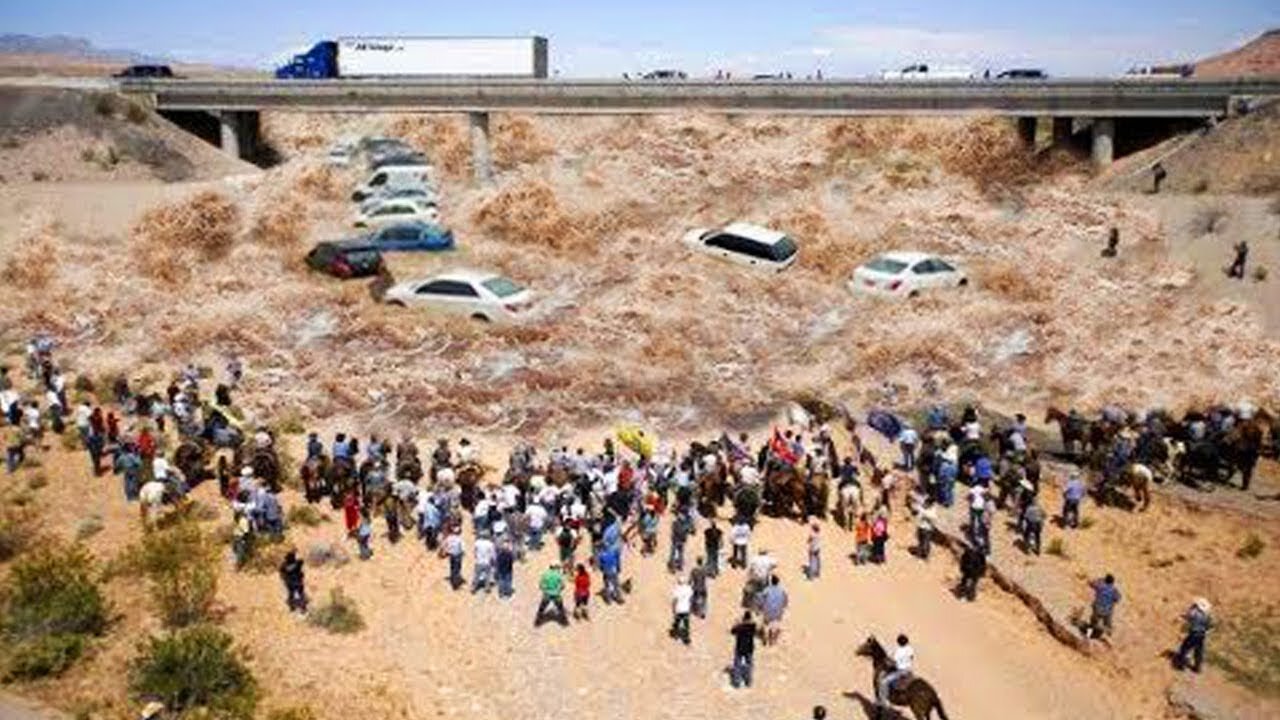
pixel 32 264
pixel 1247 649
pixel 1011 283
pixel 38 481
pixel 515 141
pixel 1056 548
pixel 45 656
pixel 39 176
pixel 52 604
pixel 104 105
pixel 290 424
pixel 135 113
pixel 338 615
pixel 988 152
pixel 1208 220
pixel 192 669
pixel 1260 274
pixel 181 565
pixel 305 515
pixel 17 529
pixel 88 527
pixel 1200 186
pixel 1252 547
pixel 529 212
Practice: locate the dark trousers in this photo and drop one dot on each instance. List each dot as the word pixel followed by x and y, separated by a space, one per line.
pixel 550 601
pixel 969 587
pixel 739 558
pixel 1031 537
pixel 455 571
pixel 1071 513
pixel 713 561
pixel 297 599
pixel 741 673
pixel 680 627
pixel 1192 644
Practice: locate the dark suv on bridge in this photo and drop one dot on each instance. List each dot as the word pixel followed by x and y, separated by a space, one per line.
pixel 146 71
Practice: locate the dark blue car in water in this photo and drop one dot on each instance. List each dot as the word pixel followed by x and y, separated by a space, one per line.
pixel 410 236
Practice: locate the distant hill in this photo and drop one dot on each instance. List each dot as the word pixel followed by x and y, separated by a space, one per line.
pixel 69 47
pixel 1261 56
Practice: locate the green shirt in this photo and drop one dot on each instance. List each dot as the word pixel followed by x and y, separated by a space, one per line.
pixel 552 583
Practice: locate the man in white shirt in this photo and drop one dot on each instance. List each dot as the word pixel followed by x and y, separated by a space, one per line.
pixel 681 606
pixel 903 658
pixel 454 549
pixel 740 537
pixel 537 518
pixel 485 553
pixel 152 497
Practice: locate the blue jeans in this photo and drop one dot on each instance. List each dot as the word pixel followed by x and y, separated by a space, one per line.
pixel 713 562
pixel 365 551
pixel 131 486
pixel 814 569
pixel 612 591
pixel 740 676
pixel 1071 513
pixel 483 579
pixel 505 588
pixel 455 571
pixel 886 682
pixel 535 539
pixel 908 457
pixel 1192 644
pixel 676 561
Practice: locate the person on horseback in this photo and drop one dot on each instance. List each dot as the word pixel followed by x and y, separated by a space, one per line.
pixel 904 657
pixel 315 448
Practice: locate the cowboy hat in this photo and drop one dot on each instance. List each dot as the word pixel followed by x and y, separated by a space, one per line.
pixel 1203 604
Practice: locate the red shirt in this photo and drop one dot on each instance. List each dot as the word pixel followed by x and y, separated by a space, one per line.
pixel 582 585
pixel 146 445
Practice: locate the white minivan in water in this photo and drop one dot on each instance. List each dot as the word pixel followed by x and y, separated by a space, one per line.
pixel 394 177
pixel 745 244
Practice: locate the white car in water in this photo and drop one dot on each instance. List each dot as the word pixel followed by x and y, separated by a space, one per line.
pixel 379 213
pixel 745 244
pixel 477 294
pixel 906 274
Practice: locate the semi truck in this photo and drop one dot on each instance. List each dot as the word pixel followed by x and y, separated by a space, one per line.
pixel 395 57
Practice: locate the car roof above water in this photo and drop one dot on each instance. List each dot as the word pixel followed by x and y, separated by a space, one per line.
pixel 755 232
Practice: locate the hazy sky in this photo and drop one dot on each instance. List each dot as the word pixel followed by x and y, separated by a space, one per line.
pixel 842 37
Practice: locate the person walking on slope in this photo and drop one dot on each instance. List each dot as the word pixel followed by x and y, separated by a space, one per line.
pixel 813 567
pixel 773 603
pixel 581 592
pixel 1105 598
pixel 904 658
pixel 740 536
pixel 681 606
pixel 744 649
pixel 453 548
pixel 552 586
pixel 973 565
pixel 1237 265
pixel 292 575
pixel 1198 623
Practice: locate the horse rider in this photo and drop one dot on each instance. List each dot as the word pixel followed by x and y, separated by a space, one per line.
pixel 903 658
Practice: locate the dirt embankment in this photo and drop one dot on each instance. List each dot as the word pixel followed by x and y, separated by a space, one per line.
pixel 50 135
pixel 1259 57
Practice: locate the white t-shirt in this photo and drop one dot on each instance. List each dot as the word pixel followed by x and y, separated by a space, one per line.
pixel 903 657
pixel 453 545
pixel 977 497
pixel 682 598
pixel 537 517
pixel 485 551
pixel 83 413
pixel 740 534
pixel 152 493
pixel 762 567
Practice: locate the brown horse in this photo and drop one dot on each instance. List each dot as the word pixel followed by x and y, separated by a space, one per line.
pixel 1073 437
pixel 784 491
pixel 915 693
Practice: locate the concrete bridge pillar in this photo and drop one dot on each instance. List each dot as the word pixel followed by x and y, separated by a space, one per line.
pixel 481 163
pixel 238 132
pixel 1104 142
pixel 1027 131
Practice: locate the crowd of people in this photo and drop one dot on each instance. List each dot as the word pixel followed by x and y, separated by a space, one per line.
pixel 592 508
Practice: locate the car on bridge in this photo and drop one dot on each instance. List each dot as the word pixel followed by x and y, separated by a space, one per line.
pixel 665 75
pixel 410 236
pixel 345 259
pixel 905 274
pixel 925 71
pixel 382 212
pixel 745 244
pixel 480 295
pixel 146 71
pixel 1023 74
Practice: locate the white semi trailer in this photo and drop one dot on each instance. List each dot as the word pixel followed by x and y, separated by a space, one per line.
pixel 374 57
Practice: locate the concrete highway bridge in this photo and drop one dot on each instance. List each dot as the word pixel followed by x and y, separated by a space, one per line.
pixel 1072 105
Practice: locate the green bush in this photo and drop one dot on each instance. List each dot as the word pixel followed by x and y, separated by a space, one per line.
pixel 45 656
pixel 339 615
pixel 195 668
pixel 305 515
pixel 1252 547
pixel 181 564
pixel 52 605
pixel 135 113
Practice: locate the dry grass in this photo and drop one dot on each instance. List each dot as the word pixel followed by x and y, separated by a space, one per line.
pixel 515 141
pixel 33 263
pixel 528 212
pixel 988 152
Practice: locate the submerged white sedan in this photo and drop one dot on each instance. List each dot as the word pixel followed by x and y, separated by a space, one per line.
pixel 479 295
pixel 906 274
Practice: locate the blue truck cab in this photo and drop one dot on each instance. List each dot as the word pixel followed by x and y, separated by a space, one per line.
pixel 320 62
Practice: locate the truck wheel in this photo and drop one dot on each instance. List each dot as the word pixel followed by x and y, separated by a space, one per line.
pixel 481 317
